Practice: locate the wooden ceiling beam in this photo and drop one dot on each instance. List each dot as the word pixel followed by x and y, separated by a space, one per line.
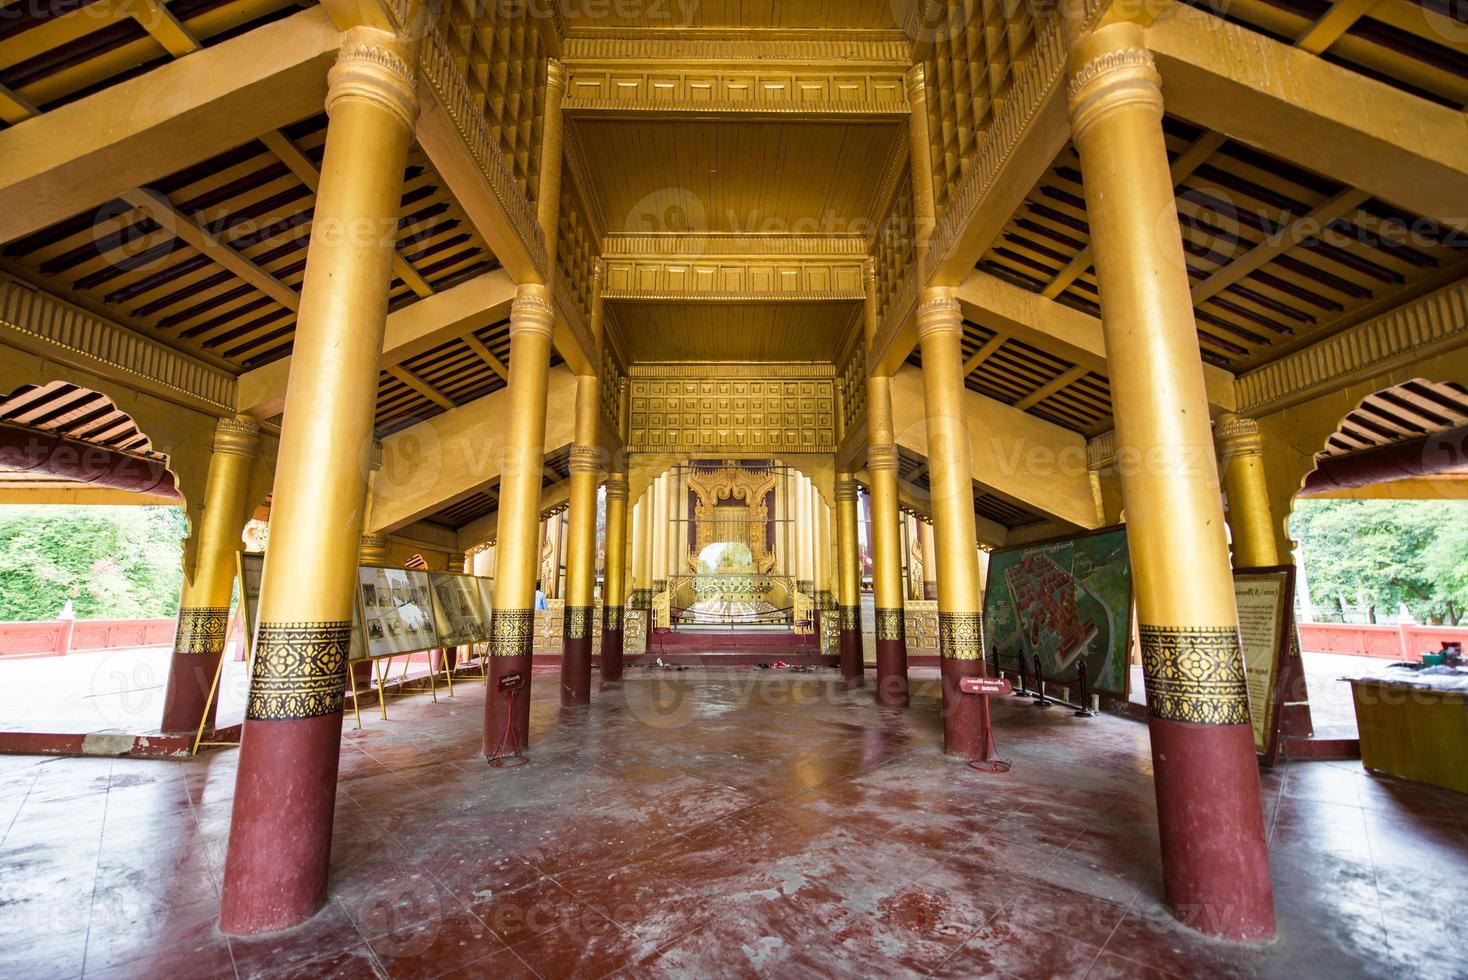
pixel 83 154
pixel 1061 381
pixel 422 387
pixel 1320 35
pixel 155 18
pixel 13 108
pixel 990 348
pixel 1059 330
pixel 410 331
pixel 1182 168
pixel 185 228
pixel 487 356
pixel 1301 229
pixel 1399 147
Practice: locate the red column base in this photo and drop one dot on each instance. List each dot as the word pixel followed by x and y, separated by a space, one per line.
pixel 576 671
pixel 892 673
pixel 1215 858
pixel 190 675
pixel 613 643
pixel 280 831
pixel 965 716
pixel 507 713
pixel 852 670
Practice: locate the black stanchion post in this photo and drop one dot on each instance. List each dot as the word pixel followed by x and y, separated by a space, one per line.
pixel 1083 680
pixel 1041 701
pixel 1024 680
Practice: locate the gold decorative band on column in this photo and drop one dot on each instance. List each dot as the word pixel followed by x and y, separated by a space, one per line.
pixel 850 618
pixel 611 618
pixel 238 436
pixel 578 622
pixel 1195 674
pixel 882 456
pixel 1115 79
pixel 585 459
pixel 891 624
pixel 1237 437
pixel 201 630
pixel 531 311
pixel 845 490
pixel 300 670
pixel 938 312
pixel 617 487
pixel 961 635
pixel 512 633
pixel 368 68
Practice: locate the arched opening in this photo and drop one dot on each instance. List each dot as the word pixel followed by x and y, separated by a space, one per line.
pixel 1381 528
pixel 91 528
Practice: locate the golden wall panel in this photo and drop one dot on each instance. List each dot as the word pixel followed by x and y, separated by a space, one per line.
pixel 606 87
pixel 655 278
pixel 733 414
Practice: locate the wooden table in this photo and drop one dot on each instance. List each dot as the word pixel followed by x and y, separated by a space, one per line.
pixel 1413 732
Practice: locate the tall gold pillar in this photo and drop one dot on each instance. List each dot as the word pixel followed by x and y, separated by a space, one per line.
pixel 507 714
pixel 1215 860
pixel 1241 458
pixel 614 588
pixel 930 560
pixel 581 546
pixel 960 645
pixel 658 496
pixel 848 578
pixel 924 208
pixel 804 546
pixel 280 838
pixel 886 531
pixel 203 615
pixel 641 577
pixel 371 550
pixel 548 196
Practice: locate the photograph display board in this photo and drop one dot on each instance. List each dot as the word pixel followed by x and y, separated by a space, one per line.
pixel 397 610
pixel 252 573
pixel 1067 600
pixel 486 597
pixel 1266 602
pixel 458 610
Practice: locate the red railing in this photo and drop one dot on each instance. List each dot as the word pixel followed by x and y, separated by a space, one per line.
pixel 60 637
pixel 1405 642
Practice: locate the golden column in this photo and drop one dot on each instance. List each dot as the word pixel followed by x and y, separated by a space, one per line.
pixel 548 194
pixel 1215 860
pixel 614 587
pixel 641 578
pixel 581 534
pixel 848 578
pixel 924 208
pixel 280 839
pixel 507 712
pixel 930 560
pixel 658 497
pixel 886 529
pixel 1241 458
pixel 203 615
pixel 960 646
pixel 581 546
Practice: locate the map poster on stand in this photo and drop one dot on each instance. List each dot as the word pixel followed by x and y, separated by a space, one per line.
pixel 1066 601
pixel 461 619
pixel 397 609
pixel 1266 602
pixel 252 573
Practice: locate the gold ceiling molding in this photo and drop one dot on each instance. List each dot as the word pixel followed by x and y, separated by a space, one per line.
pixel 1437 321
pixel 766 89
pixel 733 281
pixel 852 48
pixel 770 415
pixel 49 328
pixel 581 180
pixel 450 88
pixel 699 246
pixel 753 370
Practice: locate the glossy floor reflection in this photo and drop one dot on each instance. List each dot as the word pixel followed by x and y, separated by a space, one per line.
pixel 721 823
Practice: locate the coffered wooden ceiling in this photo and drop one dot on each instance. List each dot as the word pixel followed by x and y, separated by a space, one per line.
pixel 734 14
pixel 1279 257
pixel 214 268
pixel 988 504
pixel 789 331
pixel 736 177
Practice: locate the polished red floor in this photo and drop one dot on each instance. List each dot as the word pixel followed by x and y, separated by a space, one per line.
pixel 723 823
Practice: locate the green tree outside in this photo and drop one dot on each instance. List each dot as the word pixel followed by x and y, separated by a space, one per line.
pixel 111 562
pixel 1382 553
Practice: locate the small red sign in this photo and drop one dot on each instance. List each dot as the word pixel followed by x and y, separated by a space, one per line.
pixel 512 682
pixel 987 686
